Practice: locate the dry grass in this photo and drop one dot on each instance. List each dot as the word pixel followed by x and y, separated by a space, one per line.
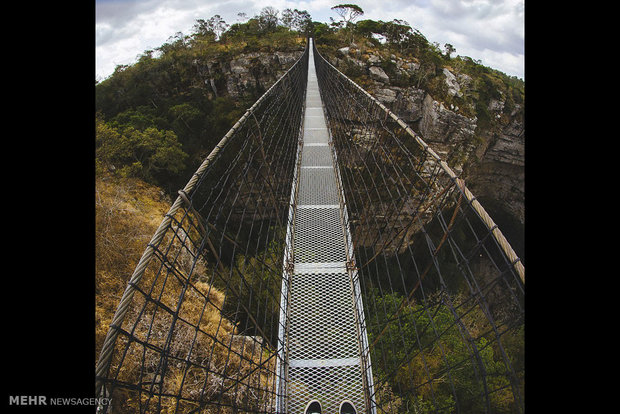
pixel 205 358
pixel 128 212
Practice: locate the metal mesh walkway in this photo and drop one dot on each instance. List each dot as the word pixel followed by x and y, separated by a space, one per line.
pixel 325 323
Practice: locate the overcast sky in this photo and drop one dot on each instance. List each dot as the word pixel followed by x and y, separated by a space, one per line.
pixel 489 30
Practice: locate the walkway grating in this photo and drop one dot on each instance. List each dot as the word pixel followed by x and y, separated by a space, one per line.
pixel 322 345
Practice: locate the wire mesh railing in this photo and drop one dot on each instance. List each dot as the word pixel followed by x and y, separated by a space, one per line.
pixel 442 289
pixel 201 324
pixel 197 327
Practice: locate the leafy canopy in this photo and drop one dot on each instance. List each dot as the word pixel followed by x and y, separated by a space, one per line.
pixel 348 12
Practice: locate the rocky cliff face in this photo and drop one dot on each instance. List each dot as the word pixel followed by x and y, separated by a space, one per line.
pixel 499 174
pixel 248 71
pixel 490 158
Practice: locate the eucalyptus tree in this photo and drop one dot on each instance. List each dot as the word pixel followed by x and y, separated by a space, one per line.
pixel 214 26
pixel 298 20
pixel 348 12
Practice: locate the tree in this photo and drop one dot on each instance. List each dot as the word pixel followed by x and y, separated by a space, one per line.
pixel 444 355
pixel 303 20
pixel 322 32
pixel 296 19
pixel 396 32
pixel 348 12
pixel 430 61
pixel 149 154
pixel 369 27
pixel 449 49
pixel 287 18
pixel 215 26
pixel 268 19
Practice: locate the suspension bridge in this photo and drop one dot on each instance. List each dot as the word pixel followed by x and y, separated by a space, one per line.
pixel 322 251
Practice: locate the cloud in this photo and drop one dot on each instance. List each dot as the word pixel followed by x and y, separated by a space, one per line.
pixel 489 30
pixel 124 29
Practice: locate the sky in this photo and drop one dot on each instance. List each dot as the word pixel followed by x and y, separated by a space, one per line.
pixel 492 31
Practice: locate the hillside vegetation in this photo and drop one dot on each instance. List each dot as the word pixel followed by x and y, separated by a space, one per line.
pixel 159 118
pixel 127 211
pixel 397 40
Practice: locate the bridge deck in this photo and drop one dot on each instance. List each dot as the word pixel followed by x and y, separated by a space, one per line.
pixel 323 338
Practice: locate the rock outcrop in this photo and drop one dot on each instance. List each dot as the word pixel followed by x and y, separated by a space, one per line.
pixel 500 172
pixel 248 71
pixel 491 160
